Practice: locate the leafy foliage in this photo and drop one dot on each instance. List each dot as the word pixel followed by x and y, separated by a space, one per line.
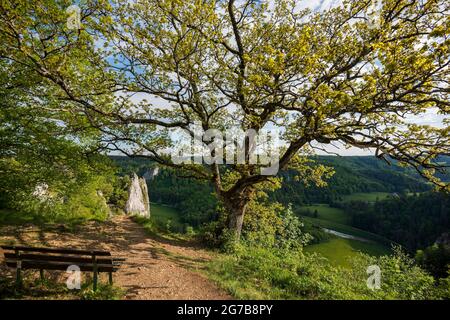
pixel 264 273
pixel 435 259
pixel 352 175
pixel 320 78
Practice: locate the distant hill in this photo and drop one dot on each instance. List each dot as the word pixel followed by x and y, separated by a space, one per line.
pixel 353 174
pixel 358 182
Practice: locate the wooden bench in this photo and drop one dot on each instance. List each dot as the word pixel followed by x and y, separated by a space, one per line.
pixel 22 258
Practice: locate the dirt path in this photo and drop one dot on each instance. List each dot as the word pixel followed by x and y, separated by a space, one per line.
pixel 156 268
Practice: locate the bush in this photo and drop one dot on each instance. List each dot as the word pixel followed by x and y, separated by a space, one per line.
pixel 435 259
pixel 269 273
pixel 290 233
pixel 265 224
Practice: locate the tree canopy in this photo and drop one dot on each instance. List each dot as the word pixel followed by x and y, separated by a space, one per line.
pixel 319 77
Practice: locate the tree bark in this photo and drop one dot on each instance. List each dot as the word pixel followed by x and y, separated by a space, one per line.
pixel 236 204
pixel 236 220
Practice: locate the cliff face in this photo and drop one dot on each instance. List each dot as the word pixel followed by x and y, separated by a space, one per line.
pixel 138 202
pixel 151 173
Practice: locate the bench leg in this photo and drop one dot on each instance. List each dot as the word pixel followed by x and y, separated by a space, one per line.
pixel 94 285
pixel 110 279
pixel 41 274
pixel 18 270
pixel 95 269
pixel 18 277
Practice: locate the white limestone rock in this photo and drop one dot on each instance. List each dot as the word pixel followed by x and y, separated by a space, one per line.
pixel 138 201
pixel 41 192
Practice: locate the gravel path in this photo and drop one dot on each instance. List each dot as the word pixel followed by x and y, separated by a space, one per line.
pixel 156 268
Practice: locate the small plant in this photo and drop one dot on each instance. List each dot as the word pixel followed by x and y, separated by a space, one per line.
pixel 169 225
pixel 103 292
pixel 190 231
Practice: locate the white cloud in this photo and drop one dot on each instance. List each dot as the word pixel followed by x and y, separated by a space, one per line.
pixel 430 117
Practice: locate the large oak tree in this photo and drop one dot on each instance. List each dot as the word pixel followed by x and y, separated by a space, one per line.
pixel 347 75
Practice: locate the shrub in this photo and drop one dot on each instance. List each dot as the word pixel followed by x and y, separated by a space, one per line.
pixel 290 232
pixel 269 273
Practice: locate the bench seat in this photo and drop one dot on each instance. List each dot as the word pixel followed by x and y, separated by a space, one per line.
pixel 39 258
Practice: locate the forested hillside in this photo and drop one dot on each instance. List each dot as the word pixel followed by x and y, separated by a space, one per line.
pixel 415 221
pixel 352 175
pixel 412 221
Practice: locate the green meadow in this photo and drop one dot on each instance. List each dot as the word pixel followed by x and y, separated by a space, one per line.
pixel 325 212
pixel 339 250
pixel 166 217
pixel 366 196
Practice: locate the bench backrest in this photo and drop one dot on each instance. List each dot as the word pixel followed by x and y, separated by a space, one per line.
pixel 57 250
pixel 58 258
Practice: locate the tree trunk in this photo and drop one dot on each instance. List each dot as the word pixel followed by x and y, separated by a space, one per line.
pixel 236 205
pixel 236 219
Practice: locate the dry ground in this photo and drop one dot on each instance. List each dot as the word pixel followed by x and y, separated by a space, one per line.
pixel 156 268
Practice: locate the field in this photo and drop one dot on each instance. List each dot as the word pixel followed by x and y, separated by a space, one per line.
pixel 346 229
pixel 166 217
pixel 327 213
pixel 368 196
pixel 339 250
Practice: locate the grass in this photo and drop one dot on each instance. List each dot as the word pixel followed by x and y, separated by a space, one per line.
pixel 348 230
pixel 11 217
pixel 166 218
pixel 156 229
pixel 18 218
pixel 366 196
pixel 325 212
pixel 54 288
pixel 339 251
pixel 271 273
pixel 103 292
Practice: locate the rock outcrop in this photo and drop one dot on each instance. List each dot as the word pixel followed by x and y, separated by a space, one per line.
pixel 151 173
pixel 138 202
pixel 41 192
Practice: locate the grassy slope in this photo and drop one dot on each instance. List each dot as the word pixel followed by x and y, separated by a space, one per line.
pixel 327 213
pixel 14 218
pixel 11 217
pixel 338 250
pixel 161 214
pixel 368 196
